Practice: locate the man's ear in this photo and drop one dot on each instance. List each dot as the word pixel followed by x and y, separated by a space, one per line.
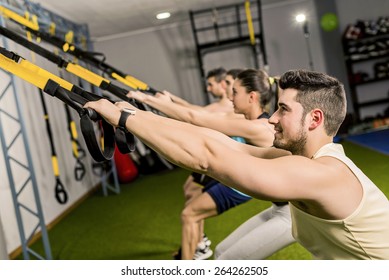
pixel 223 83
pixel 317 118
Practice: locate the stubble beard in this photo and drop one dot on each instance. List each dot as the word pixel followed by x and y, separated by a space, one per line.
pixel 295 145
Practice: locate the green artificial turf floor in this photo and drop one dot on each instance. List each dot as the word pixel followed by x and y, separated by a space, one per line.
pixel 143 221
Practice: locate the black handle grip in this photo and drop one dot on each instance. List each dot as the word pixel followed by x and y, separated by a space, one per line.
pixel 92 114
pixel 98 153
pixel 124 140
pixel 79 170
pixel 60 193
pixel 118 92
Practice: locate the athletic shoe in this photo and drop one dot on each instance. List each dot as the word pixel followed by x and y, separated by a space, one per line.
pixel 206 240
pixel 200 250
pixel 203 251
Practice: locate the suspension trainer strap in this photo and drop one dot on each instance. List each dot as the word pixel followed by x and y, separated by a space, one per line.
pixel 79 71
pixel 76 94
pixel 42 79
pixel 89 57
pixel 59 189
pixel 70 67
pixel 7 13
pixel 124 137
pixel 60 192
pixel 77 151
pixel 250 22
pixel 87 119
pixel 93 145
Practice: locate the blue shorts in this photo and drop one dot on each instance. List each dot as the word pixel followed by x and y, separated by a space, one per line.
pixel 225 197
pixel 202 179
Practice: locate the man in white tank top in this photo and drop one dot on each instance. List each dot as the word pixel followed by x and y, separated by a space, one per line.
pixel 337 212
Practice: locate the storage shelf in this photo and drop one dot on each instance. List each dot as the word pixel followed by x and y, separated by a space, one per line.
pixel 349 60
pixel 374 102
pixel 374 51
pixel 370 81
pixel 365 40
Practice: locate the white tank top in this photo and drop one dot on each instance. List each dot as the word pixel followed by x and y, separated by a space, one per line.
pixel 362 235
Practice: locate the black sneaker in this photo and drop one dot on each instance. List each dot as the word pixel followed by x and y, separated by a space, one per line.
pixel 177 255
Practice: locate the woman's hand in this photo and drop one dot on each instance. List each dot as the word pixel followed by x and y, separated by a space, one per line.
pixel 164 95
pixel 137 95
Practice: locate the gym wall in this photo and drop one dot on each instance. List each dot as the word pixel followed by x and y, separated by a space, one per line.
pixel 39 144
pixel 165 57
pixel 171 55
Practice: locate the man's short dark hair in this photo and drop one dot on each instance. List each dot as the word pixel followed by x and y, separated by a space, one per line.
pixel 234 72
pixel 318 90
pixel 218 73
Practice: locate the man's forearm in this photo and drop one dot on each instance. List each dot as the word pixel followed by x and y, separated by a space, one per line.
pixel 181 143
pixel 195 148
pixel 170 109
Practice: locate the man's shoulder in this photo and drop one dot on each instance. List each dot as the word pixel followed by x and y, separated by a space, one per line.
pixel 219 107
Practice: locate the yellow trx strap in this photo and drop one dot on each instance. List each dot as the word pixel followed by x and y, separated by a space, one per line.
pixel 26 71
pixel 54 162
pixel 52 28
pixel 69 37
pixel 250 22
pixel 63 90
pixel 124 81
pixel 87 75
pixel 137 84
pixel 7 13
pixel 67 46
pixel 32 73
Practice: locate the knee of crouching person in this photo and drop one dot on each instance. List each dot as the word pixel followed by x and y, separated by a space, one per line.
pixel 187 215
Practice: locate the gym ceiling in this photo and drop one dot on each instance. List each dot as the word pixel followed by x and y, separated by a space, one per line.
pixel 110 17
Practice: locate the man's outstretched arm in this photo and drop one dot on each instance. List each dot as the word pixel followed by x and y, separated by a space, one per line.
pixel 229 124
pixel 206 151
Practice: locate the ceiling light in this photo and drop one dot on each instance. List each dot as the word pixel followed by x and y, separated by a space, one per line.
pixel 163 15
pixel 300 18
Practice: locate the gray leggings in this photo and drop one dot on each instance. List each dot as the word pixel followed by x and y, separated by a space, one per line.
pixel 259 237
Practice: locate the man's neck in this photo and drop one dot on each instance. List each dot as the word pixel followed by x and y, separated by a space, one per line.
pixel 224 98
pixel 313 146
